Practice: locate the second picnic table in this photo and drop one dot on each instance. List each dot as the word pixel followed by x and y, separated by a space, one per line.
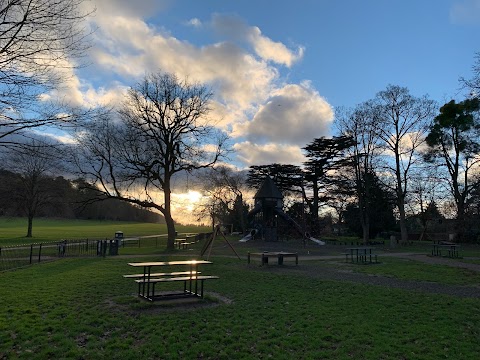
pixel 363 254
pixel 280 255
pixel 450 247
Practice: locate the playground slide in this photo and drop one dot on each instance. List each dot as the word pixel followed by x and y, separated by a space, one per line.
pixel 248 236
pixel 319 242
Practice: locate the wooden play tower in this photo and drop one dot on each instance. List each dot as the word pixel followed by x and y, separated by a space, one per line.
pixel 268 201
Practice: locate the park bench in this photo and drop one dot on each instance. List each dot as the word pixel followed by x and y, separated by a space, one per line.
pixel 190 285
pixel 175 273
pixel 280 255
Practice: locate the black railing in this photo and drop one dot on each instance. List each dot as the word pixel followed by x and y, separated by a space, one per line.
pixel 16 256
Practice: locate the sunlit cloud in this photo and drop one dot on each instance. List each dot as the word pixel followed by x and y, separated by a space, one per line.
pixel 254 154
pixel 294 114
pixel 236 29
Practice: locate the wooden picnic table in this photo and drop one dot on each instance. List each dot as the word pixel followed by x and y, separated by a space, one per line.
pixel 280 255
pixel 189 276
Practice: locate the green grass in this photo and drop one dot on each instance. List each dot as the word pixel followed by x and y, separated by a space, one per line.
pixel 13 230
pixel 415 270
pixel 84 309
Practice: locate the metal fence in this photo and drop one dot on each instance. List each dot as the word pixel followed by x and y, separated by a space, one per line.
pixel 16 256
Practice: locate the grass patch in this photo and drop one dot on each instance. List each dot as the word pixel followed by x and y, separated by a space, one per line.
pixel 415 270
pixel 83 308
pixel 44 230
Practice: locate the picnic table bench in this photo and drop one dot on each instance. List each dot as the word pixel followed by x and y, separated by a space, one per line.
pixel 280 255
pixel 192 281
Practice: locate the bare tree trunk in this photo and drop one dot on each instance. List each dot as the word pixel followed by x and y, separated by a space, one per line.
pixel 30 225
pixel 366 231
pixel 403 225
pixel 168 218
pixel 364 220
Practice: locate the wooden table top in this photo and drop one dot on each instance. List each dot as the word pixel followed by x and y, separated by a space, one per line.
pixel 168 263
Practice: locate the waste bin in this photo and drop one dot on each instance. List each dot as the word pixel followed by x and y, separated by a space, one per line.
pixel 113 247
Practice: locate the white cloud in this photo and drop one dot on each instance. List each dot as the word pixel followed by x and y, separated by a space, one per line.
pixel 130 48
pixel 465 12
pixel 242 67
pixel 236 29
pixel 274 51
pixel 194 23
pixel 254 154
pixel 294 114
pixel 144 8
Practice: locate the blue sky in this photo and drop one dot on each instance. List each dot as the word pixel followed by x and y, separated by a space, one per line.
pixel 280 68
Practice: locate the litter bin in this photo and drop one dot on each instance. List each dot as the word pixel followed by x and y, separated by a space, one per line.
pixel 113 247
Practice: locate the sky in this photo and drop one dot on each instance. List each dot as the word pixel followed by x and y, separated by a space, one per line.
pixel 279 68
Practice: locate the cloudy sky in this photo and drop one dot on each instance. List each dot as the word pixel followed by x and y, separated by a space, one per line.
pixel 279 68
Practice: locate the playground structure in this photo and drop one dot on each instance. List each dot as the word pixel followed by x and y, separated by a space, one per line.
pixel 266 212
pixel 208 245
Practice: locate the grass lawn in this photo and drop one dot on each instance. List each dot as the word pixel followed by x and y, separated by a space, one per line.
pixel 84 309
pixel 415 270
pixel 13 230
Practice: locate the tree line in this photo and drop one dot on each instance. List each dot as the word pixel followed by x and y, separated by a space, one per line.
pixel 35 194
pixel 398 162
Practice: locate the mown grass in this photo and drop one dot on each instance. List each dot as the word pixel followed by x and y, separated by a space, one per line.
pixel 13 230
pixel 409 269
pixel 84 309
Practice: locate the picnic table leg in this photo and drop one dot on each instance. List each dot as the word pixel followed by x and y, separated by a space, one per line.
pixel 248 258
pixel 280 259
pixel 296 259
pixel 152 297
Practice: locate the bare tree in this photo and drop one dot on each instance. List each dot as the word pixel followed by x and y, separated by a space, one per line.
pixel 403 125
pixel 35 164
pixel 473 84
pixel 163 130
pixel 39 40
pixel 361 125
pixel 223 188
